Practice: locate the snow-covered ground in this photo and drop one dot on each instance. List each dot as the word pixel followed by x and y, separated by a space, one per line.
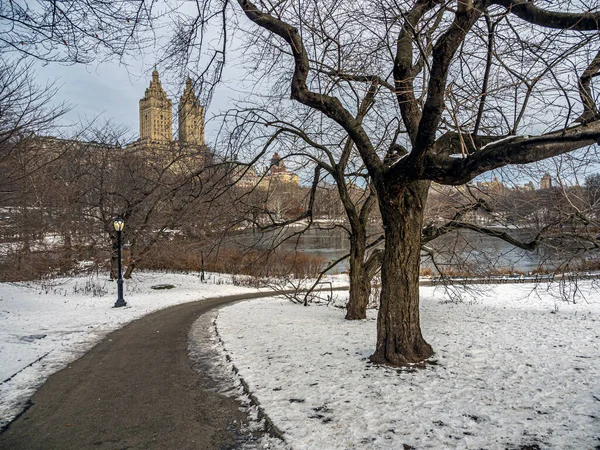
pixel 515 369
pixel 512 370
pixel 46 325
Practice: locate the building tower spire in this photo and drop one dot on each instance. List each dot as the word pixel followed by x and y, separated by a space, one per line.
pixel 191 117
pixel 156 113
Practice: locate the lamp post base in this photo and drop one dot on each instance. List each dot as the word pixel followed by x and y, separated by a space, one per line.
pixel 120 302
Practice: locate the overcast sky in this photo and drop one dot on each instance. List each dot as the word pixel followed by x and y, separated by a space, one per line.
pixel 108 90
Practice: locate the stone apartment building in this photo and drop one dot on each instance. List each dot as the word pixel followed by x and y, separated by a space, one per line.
pixel 271 177
pixel 156 121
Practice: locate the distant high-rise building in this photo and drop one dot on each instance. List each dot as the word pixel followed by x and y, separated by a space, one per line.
pixel 546 181
pixel 156 141
pixel 191 117
pixel 277 165
pixel 156 114
pixel 494 185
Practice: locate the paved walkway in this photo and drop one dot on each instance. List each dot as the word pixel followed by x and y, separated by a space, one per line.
pixel 134 390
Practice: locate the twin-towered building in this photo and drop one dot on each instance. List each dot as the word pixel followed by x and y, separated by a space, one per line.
pixel 156 143
pixel 156 116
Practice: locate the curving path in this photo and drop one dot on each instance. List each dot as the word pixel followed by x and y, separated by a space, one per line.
pixel 136 389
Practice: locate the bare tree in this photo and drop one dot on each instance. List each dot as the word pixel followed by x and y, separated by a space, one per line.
pixel 418 53
pixel 338 162
pixel 24 114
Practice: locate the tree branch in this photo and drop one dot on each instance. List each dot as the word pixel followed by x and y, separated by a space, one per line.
pixel 590 111
pixel 486 76
pixel 328 105
pixel 456 225
pixel 307 214
pixel 444 169
pixel 443 53
pixel 403 69
pixel 526 10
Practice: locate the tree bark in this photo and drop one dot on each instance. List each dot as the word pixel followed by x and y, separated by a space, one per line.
pixel 399 338
pixel 113 257
pixel 68 247
pixel 129 270
pixel 133 259
pixel 360 283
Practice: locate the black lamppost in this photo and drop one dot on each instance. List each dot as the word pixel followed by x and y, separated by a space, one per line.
pixel 119 224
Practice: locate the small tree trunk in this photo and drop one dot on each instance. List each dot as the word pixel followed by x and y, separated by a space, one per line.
pixel 129 270
pixel 399 338
pixel 68 247
pixel 133 257
pixel 360 283
pixel 114 270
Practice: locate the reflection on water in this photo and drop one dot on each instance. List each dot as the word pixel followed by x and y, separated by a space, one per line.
pixel 327 244
pixel 476 250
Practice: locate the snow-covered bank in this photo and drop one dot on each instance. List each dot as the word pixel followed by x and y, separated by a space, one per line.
pixel 513 370
pixel 46 325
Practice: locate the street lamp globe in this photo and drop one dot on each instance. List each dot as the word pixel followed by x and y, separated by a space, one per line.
pixel 118 224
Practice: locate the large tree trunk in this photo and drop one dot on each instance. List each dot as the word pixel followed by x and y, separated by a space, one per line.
pixel 360 283
pixel 399 339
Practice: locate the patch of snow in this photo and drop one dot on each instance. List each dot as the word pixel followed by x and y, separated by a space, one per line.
pixel 514 368
pixel 505 139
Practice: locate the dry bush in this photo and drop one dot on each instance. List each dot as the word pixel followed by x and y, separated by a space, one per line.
pixel 172 256
pixel 167 255
pixel 426 272
pixel 187 257
pixel 588 265
pixel 27 266
pixel 465 272
pixel 21 265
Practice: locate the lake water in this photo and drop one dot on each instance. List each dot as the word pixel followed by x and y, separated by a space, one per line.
pixel 479 251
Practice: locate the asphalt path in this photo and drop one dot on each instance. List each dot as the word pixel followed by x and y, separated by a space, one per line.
pixel 136 389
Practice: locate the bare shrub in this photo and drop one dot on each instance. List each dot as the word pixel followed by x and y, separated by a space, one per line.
pixel 182 255
pixel 28 266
